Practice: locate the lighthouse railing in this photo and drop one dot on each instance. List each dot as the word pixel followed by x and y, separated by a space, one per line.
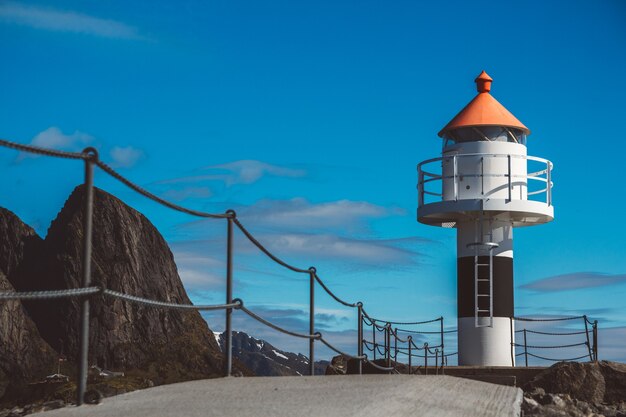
pixel 430 173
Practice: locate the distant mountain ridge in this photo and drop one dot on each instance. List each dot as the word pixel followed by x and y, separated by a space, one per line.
pixel 264 359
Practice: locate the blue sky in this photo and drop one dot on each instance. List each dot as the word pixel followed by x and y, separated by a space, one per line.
pixel 309 118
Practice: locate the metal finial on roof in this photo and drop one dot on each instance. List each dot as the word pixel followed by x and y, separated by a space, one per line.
pixel 483 82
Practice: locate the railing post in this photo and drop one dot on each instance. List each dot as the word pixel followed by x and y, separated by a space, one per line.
pixel 437 361
pixel 91 158
pixel 595 340
pixel 395 348
pixel 410 340
pixel 525 348
pixel 510 182
pixel 456 185
pixel 549 184
pixel 388 344
pixel 359 345
pixel 587 335
pixel 228 345
pixel 312 271
pixel 442 349
pixel 420 187
pixel 374 338
pixel 512 337
pixel 426 358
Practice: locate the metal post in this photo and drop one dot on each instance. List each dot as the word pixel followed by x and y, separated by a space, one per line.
pixel 359 345
pixel 436 361
pixel 595 340
pixel 510 185
pixel 549 183
pixel 425 358
pixel 228 345
pixel 456 186
pixel 395 348
pixel 92 157
pixel 374 338
pixel 312 320
pixel 420 188
pixel 410 340
pixel 442 350
pixel 587 335
pixel 388 344
pixel 512 337
pixel 525 349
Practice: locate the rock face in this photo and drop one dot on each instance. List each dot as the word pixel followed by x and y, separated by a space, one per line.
pixel 266 360
pixel 129 256
pixel 577 389
pixel 24 355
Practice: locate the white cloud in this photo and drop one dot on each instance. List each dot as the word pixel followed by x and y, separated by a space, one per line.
pixel 333 247
pixel 65 21
pixel 299 213
pixel 54 138
pixel 575 281
pixel 240 172
pixel 125 157
pixel 188 192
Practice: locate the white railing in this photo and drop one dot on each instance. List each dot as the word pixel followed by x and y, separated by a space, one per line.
pixel 426 178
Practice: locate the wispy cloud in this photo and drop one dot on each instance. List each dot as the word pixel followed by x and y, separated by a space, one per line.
pixel 238 172
pixel 65 21
pixel 125 157
pixel 575 281
pixel 298 213
pixel 54 138
pixel 188 192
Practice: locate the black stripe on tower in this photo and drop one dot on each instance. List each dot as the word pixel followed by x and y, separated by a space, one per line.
pixel 502 286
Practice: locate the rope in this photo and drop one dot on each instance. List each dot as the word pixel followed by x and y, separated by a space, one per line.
pixel 329 292
pixel 551 334
pixel 315 336
pixel 266 251
pixel 407 322
pixel 43 151
pixel 48 294
pixel 382 368
pixel 557 319
pixel 155 198
pixel 549 347
pixel 163 304
pixel 557 360
pixel 425 332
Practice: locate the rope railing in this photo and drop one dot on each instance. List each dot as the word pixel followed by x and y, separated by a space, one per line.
pixel 90 158
pixel 590 338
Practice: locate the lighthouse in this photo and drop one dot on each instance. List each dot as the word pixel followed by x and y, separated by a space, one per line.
pixel 484 185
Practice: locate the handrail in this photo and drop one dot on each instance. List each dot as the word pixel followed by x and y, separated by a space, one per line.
pixel 543 175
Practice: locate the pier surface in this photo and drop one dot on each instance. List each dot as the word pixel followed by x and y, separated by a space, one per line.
pixel 350 395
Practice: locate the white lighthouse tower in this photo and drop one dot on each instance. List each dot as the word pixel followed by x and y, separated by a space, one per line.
pixel 484 185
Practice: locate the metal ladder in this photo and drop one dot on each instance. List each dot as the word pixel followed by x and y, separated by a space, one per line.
pixel 482 246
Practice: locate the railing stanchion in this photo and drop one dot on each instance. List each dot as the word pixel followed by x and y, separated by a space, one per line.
pixel 549 183
pixel 86 270
pixel 595 340
pixel 525 349
pixel 442 349
pixel 437 361
pixel 228 345
pixel 395 348
pixel 509 175
pixel 312 320
pixel 388 344
pixel 374 338
pixel 359 345
pixel 410 340
pixel 426 358
pixel 587 336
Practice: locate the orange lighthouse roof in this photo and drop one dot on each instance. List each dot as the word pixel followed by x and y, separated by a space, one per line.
pixel 484 110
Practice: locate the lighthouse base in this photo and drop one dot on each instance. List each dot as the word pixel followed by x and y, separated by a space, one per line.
pixel 486 346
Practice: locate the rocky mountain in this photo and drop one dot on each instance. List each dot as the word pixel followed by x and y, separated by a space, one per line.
pixel 24 355
pixel 266 360
pixel 129 256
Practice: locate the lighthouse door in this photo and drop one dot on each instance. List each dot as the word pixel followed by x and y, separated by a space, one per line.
pixel 483 274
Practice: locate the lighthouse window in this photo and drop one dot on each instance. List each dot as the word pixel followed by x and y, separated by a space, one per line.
pixel 484 133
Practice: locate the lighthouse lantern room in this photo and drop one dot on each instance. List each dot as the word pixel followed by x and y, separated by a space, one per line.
pixel 484 185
